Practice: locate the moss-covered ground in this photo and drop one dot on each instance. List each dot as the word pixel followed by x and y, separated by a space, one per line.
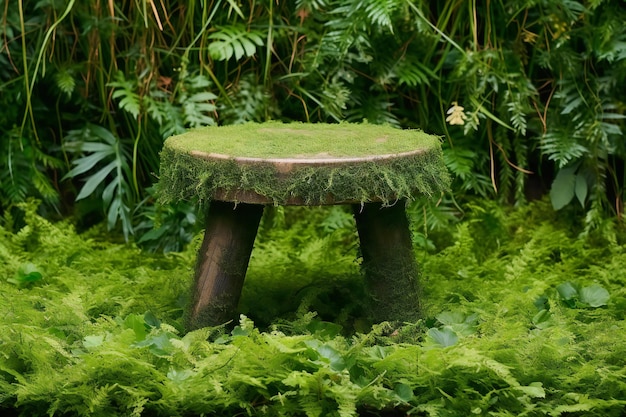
pixel 523 318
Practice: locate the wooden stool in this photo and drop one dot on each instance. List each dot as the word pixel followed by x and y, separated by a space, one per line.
pixel 240 169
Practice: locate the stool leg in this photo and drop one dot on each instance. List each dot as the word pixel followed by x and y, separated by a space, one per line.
pixel 222 262
pixel 391 270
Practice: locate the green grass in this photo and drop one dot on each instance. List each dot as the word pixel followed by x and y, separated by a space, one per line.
pixel 522 318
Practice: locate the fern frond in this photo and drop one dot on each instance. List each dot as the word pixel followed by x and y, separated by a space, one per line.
pixel 126 91
pixel 517 113
pixel 65 80
pixel 380 12
pixel 197 103
pixel 234 41
pixel 412 72
pixel 562 147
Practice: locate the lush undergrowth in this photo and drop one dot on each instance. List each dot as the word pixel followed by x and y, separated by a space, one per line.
pixel 522 318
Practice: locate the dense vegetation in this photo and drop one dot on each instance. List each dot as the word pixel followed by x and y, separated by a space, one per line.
pixel 524 302
pixel 522 319
pixel 532 90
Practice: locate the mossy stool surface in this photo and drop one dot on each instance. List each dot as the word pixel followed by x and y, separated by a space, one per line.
pixel 240 169
pixel 297 163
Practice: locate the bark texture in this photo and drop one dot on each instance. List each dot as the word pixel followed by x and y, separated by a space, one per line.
pixel 222 262
pixel 391 271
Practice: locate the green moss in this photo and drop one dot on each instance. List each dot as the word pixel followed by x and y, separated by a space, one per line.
pixel 293 140
pixel 185 176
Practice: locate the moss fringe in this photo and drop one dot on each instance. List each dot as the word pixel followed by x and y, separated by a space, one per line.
pixel 184 177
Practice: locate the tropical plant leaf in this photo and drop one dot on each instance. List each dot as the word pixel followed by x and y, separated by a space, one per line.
pixel 594 295
pixel 444 337
pixel 581 189
pixel 234 41
pixel 95 180
pixel 563 187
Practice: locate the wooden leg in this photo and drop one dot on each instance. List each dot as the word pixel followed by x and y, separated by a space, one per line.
pixel 391 271
pixel 222 262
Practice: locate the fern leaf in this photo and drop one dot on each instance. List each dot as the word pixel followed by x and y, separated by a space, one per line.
pixel 380 12
pixel 562 147
pixel 517 114
pixel 196 102
pixel 65 81
pixel 125 91
pixel 233 41
pixel 412 73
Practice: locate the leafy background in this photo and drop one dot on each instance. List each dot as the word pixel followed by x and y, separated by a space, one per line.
pixel 524 300
pixel 92 88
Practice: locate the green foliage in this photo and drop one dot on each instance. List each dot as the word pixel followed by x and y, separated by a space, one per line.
pixel 507 331
pixel 234 41
pixel 166 228
pixel 109 159
pixel 534 87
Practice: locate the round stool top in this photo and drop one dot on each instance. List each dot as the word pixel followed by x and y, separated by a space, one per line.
pixel 301 164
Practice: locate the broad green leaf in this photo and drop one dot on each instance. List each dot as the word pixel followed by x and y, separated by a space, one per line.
pixel 451 317
pixel 324 329
pixel 444 337
pixel 581 189
pixel 563 188
pixel 543 319
pixel 378 352
pixel 151 320
pixel 87 163
pixel 458 322
pixel 403 392
pixel 238 49
pixel 94 180
pixel 159 345
pixel 332 355
pixel 534 390
pixel 93 341
pixel 179 376
pixel 337 362
pixel 239 331
pixel 137 324
pixel 26 273
pixel 103 133
pixel 97 147
pixel 109 190
pixel 204 96
pixel 594 295
pixel 29 271
pixel 567 291
pixel 153 234
pixel 542 303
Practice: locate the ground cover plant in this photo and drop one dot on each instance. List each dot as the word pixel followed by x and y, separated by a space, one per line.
pixel 523 317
